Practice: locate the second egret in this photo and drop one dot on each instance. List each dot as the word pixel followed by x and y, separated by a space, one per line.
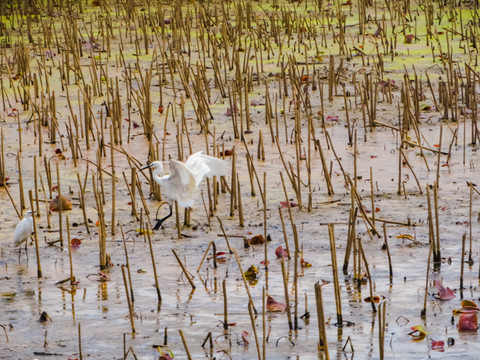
pixel 23 231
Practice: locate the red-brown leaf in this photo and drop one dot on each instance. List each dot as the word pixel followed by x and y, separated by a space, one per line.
pixel 281 252
pixel 438 345
pixel 274 306
pixel 65 203
pixel 75 243
pixel 256 240
pixel 230 111
pixel 284 204
pixel 244 338
pixel 468 322
pixel 376 299
pixel 444 293
pixel 227 152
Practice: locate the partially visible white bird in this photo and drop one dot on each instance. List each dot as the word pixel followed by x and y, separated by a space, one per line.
pixel 23 230
pixel 182 183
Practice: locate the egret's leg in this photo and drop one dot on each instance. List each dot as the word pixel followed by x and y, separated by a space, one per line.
pixel 26 248
pixel 159 222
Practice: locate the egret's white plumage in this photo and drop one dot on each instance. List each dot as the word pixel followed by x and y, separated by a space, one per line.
pixel 182 182
pixel 23 230
pixel 203 166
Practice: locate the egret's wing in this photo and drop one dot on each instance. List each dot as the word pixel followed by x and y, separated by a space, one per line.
pixel 18 233
pixel 206 166
pixel 197 166
pixel 180 174
pixel 22 232
pixel 182 182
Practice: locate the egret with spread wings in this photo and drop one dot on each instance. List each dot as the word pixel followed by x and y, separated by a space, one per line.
pixel 182 183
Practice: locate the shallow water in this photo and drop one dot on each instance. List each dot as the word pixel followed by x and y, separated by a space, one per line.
pixel 101 307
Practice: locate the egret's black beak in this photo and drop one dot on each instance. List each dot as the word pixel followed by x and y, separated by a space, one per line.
pixel 146 167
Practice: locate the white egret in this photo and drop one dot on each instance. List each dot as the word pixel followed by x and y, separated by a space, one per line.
pixel 23 231
pixel 182 183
